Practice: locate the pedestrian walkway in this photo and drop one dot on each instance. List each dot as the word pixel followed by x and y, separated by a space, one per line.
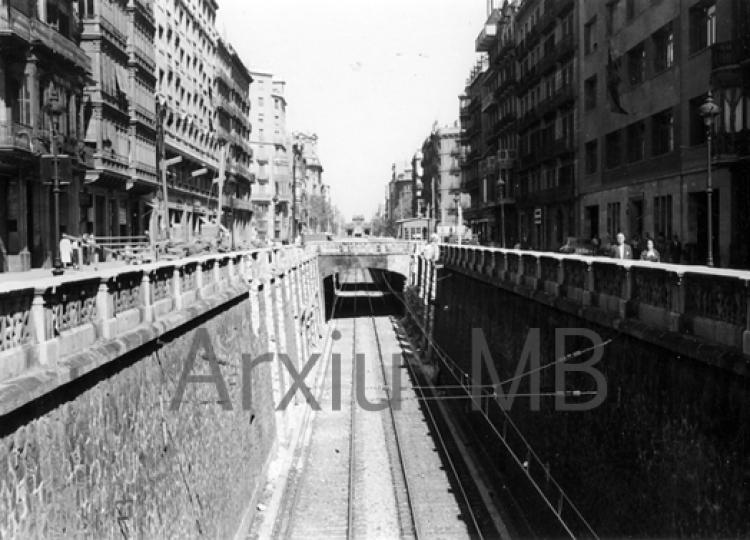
pixel 40 274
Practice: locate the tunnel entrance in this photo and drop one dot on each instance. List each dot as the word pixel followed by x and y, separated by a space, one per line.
pixel 363 292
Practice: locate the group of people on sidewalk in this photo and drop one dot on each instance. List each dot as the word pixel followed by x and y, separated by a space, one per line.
pixel 672 252
pixel 75 252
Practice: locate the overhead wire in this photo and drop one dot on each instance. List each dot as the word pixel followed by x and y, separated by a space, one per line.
pixel 450 364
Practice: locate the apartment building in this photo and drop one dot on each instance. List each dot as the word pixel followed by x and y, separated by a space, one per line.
pixel 548 104
pixel 441 152
pixel 44 111
pixel 648 67
pixel 121 131
pixel 309 183
pixel 186 43
pixel 231 101
pixel 488 116
pixel 272 196
pixel 400 191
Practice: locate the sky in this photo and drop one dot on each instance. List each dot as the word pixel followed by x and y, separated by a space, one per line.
pixel 369 77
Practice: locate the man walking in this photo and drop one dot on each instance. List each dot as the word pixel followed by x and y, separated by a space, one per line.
pixel 621 250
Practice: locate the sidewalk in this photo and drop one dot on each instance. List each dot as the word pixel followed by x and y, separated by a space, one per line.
pixel 39 274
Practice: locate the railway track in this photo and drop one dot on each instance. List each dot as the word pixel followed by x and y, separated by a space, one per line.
pixel 386 473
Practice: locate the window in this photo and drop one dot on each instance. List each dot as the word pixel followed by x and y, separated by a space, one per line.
pixel 589 92
pixel 664 48
pixel 613 219
pixel 637 64
pixel 260 101
pixel 592 156
pixel 663 132
pixel 702 26
pixel 663 216
pixel 589 36
pixel 636 142
pixel 614 150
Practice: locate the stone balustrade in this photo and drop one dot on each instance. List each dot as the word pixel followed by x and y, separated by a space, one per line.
pixel 363 247
pixel 45 323
pixel 709 304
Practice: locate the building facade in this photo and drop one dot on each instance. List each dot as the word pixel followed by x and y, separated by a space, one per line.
pixel 547 126
pixel 232 82
pixel 441 153
pixel 310 188
pixel 647 70
pixel 400 192
pixel 186 42
pixel 272 196
pixel 45 72
pixel 121 132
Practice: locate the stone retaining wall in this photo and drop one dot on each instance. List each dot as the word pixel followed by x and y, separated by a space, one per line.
pixel 104 456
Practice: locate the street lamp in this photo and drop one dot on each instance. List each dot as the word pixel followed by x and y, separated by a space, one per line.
pixel 459 215
pixel 708 111
pixel 54 111
pixel 297 149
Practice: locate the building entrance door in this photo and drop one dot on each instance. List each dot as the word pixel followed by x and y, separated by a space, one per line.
pixel 592 220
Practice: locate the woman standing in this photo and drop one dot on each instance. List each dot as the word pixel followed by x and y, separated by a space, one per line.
pixel 650 254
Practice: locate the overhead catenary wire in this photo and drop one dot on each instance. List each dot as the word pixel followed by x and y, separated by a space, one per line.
pixel 450 364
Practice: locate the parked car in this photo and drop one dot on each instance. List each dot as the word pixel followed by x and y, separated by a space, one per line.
pixel 578 246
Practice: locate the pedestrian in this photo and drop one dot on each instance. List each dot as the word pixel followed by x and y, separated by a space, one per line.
pixel 621 250
pixel 431 251
pixel 650 253
pixel 66 250
pixel 93 255
pixel 675 250
pixel 85 248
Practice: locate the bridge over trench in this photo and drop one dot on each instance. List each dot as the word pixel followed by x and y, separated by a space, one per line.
pixel 493 393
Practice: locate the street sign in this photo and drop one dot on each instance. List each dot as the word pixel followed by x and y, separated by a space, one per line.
pixel 537 216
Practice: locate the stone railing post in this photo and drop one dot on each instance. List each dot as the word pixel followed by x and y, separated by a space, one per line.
pixel 147 312
pixel 626 294
pixel 105 309
pixel 39 326
pixel 216 269
pixel 677 310
pixel 199 281
pixel 518 278
pixel 176 287
pixel 489 263
pixel 588 284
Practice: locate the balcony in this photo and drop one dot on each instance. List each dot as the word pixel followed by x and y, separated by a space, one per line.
pixel 486 38
pixel 565 46
pixel 563 6
pixel 506 158
pixel 727 54
pixel 563 145
pixel 34 31
pixel 548 61
pixel 16 137
pixel 488 102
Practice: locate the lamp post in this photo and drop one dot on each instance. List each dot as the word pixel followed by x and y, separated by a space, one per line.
pixel 501 185
pixel 459 216
pixel 57 266
pixel 708 111
pixel 297 149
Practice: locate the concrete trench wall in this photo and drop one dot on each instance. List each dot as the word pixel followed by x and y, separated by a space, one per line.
pixel 665 455
pixel 105 457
